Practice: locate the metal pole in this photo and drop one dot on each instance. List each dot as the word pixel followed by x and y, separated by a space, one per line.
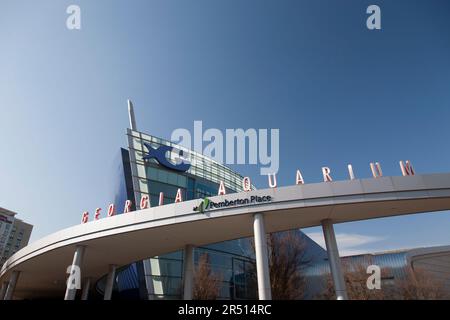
pixel 86 287
pixel 335 262
pixel 12 285
pixel 262 260
pixel 74 274
pixel 188 273
pixel 110 282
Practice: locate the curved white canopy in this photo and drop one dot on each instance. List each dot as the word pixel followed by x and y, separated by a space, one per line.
pixel 130 237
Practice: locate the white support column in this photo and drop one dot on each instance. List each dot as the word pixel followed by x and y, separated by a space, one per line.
pixel 333 258
pixel 109 286
pixel 188 272
pixel 85 289
pixel 3 290
pixel 75 274
pixel 12 285
pixel 262 260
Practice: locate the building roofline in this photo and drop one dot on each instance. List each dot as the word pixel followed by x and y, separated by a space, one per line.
pixel 411 252
pixel 7 212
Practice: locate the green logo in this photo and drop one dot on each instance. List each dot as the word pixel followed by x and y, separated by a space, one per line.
pixel 203 205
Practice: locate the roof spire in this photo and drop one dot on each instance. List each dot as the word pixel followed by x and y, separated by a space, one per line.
pixel 131 115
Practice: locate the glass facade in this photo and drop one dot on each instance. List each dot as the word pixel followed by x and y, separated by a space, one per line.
pixel 200 180
pixel 235 272
pixel 161 277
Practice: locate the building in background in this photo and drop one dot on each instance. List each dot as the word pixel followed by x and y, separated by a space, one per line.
pixel 14 234
pixel 396 265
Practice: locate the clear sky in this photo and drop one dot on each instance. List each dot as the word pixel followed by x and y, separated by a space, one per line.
pixel 338 92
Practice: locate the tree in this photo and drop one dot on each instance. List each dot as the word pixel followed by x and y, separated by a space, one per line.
pixel 416 285
pixel 287 256
pixel 206 282
pixel 420 285
pixel 355 277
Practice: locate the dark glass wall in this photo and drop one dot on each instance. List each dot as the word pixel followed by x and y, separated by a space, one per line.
pixel 232 260
pixel 226 258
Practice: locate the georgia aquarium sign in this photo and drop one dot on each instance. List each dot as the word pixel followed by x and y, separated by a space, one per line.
pixel 160 155
pixel 206 204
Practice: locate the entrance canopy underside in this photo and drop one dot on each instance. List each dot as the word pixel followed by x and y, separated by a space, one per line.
pixel 130 237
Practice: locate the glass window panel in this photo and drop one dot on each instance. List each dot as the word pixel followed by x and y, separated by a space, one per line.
pixel 154 200
pixel 162 176
pixel 141 171
pixel 182 180
pixel 172 178
pixel 143 185
pixel 152 173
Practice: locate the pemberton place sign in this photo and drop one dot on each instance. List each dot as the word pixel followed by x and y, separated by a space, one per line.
pixel 206 204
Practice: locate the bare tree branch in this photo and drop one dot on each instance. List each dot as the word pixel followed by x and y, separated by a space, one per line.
pixel 206 283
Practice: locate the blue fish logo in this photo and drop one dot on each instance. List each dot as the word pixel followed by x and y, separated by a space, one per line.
pixel 160 155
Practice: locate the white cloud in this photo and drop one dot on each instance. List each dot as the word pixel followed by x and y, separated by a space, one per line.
pixel 348 243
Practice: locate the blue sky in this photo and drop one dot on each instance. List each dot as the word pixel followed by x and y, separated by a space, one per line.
pixel 338 92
